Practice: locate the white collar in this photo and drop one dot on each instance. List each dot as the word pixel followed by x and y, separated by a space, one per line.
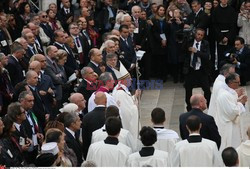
pixel 62 45
pixel 194 134
pixel 71 132
pixel 15 58
pixel 17 126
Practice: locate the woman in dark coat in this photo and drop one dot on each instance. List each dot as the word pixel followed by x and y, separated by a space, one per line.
pixel 159 32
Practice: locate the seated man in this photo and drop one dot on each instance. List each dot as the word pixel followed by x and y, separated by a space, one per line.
pixel 195 151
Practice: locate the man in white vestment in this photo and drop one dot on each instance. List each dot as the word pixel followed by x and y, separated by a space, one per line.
pixel 244 151
pixel 106 83
pixel 125 136
pixel 110 152
pixel 166 138
pixel 148 155
pixel 218 84
pixel 195 151
pixel 230 107
pixel 127 104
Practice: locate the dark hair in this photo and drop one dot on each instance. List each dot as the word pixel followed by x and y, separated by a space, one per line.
pixel 148 136
pixel 55 124
pixel 53 135
pixel 14 109
pixel 112 111
pixel 123 27
pixel 158 115
pixel 113 126
pixel 242 41
pixel 231 77
pixel 61 116
pixel 22 7
pixel 193 123
pixel 225 68
pixel 48 10
pixel 8 124
pixel 160 6
pixel 229 156
pixel 196 1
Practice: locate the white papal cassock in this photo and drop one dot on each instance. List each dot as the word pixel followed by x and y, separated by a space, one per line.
pixel 166 139
pixel 218 84
pixel 108 155
pixel 228 119
pixel 158 159
pixel 128 109
pixel 195 154
pixel 244 154
pixel 110 99
pixel 125 137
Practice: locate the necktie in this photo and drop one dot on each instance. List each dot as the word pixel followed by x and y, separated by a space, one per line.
pixel 126 41
pixel 35 49
pixel 78 42
pixel 195 56
pixel 136 23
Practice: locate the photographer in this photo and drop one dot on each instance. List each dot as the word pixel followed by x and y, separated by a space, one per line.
pixel 240 57
pixel 244 22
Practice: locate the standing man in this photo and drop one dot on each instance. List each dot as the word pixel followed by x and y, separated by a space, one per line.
pixel 95 56
pixel 196 66
pixel 208 129
pixel 230 106
pixel 66 14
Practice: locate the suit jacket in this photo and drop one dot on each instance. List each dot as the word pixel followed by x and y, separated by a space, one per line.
pixel 48 31
pixel 96 69
pixel 84 59
pixel 203 54
pixel 15 71
pixel 86 90
pixel 91 122
pixel 201 20
pixel 128 50
pixel 108 69
pixel 208 130
pixel 140 38
pixel 63 17
pixel 75 145
pixel 71 64
pixel 4 45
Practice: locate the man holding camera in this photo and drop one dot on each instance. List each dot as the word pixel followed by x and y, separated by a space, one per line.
pixel 240 57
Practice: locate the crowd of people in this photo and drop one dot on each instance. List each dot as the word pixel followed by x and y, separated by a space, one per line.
pixel 67 75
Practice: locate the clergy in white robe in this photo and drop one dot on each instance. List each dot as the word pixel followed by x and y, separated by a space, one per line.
pixel 195 151
pixel 166 138
pixel 125 137
pixel 244 152
pixel 148 155
pixel 230 107
pixel 106 83
pixel 128 106
pixel 110 152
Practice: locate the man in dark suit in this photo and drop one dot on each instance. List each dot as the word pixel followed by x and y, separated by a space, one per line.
pixel 66 14
pixel 106 17
pixel 126 46
pixel 44 25
pixel 14 67
pixel 30 125
pixel 209 129
pixel 33 48
pixel 198 18
pixel 240 57
pixel 72 125
pixel 95 56
pixel 196 66
pixel 71 66
pixel 93 120
pixel 39 106
pixel 111 62
pixel 87 85
pixel 38 42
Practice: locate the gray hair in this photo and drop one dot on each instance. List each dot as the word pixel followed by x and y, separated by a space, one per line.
pixel 107 42
pixel 225 68
pixel 1 56
pixel 23 94
pixel 70 118
pixel 231 77
pixel 133 8
pixel 84 71
pixel 123 17
pixel 29 74
pixel 110 56
pixel 14 109
pixel 105 77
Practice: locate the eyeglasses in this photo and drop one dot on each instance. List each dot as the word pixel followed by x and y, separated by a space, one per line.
pixel 45 16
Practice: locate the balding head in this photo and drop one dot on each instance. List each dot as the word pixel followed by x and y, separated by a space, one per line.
pixel 35 66
pixel 32 78
pixel 100 98
pixel 42 59
pixel 79 100
pixel 198 101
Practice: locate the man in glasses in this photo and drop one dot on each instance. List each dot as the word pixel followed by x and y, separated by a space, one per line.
pixel 46 28
pixel 230 106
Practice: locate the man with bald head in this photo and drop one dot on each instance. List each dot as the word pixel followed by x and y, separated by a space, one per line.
pixel 39 107
pixel 35 30
pixel 93 120
pixel 95 56
pixel 209 129
pixel 79 100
